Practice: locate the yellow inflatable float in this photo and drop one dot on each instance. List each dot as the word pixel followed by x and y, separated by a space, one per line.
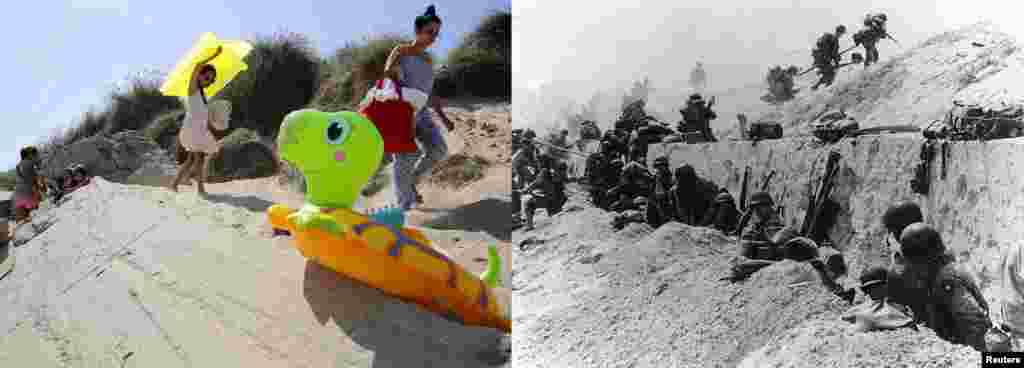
pixel 338 153
pixel 229 64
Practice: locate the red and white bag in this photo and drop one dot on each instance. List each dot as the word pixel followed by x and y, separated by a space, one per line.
pixel 392 109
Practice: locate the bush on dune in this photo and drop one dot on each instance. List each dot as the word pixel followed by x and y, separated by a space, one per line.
pixel 242 155
pixel 353 68
pixel 283 76
pixel 481 65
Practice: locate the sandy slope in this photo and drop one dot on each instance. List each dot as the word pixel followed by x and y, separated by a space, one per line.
pixel 156 279
pixel 588 296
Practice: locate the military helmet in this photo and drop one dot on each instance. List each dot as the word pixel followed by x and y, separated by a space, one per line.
pixel 724 197
pixel 759 198
pixel 661 161
pixel 529 134
pixel 800 249
pixel 565 132
pixel 840 29
pixel 640 201
pixel 921 243
pixel 696 97
pixel 898 216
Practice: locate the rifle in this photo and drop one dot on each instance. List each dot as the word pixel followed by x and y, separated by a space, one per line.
pixel 812 67
pixel 743 189
pixel 887 35
pixel 817 203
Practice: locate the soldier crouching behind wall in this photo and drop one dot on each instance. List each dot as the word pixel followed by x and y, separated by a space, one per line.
pixel 947 300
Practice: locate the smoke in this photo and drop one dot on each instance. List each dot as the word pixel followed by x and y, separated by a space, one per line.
pixel 588 54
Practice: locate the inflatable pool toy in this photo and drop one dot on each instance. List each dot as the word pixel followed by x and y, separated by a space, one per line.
pixel 338 153
pixel 228 64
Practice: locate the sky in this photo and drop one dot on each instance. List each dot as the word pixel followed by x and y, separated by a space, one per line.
pixel 64 56
pixel 574 48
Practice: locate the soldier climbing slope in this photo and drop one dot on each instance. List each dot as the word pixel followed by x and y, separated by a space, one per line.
pixel 950 302
pixel 873 31
pixel 697 118
pixel 826 56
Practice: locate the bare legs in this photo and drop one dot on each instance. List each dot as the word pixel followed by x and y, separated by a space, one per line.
pixel 192 161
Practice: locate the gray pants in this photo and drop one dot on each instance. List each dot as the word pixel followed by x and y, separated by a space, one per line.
pixel 408 167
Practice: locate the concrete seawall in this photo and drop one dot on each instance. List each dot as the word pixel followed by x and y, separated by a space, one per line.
pixel 978 207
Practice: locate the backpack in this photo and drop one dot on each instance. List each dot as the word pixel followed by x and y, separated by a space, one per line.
pixel 825 43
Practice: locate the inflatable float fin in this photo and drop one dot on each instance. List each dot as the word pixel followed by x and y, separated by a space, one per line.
pixel 492 275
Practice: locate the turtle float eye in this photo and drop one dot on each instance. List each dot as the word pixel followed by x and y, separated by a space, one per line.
pixel 337 132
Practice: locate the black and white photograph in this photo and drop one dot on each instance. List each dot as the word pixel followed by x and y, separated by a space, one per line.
pixel 767 184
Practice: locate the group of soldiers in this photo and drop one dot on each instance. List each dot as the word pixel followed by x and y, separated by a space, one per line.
pixel 656 196
pixel 538 179
pixel 827 55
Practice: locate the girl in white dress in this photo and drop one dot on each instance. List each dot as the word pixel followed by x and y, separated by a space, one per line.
pixel 195 136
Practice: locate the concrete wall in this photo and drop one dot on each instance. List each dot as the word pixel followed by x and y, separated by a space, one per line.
pixel 979 207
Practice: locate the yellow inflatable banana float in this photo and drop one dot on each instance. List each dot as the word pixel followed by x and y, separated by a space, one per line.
pixel 338 153
pixel 229 63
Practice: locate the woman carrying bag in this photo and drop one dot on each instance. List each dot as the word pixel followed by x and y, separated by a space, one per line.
pixel 411 67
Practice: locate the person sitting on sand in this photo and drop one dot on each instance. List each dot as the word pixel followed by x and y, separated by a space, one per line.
pixel 195 136
pixel 878 312
pixel 29 186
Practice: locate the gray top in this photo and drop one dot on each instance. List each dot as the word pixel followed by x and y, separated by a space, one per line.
pixel 25 176
pixel 416 72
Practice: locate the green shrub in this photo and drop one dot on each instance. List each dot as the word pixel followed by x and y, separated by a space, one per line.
pixel 460 169
pixel 164 129
pixel 7 180
pixel 283 76
pixel 242 155
pixel 481 65
pixel 135 106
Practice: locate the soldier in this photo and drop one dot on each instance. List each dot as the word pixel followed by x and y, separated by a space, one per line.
pixel 523 161
pixel 636 181
pixel 561 178
pixel 632 114
pixel 723 215
pixel 870 35
pixel 612 176
pixel 542 192
pixel 826 56
pixel 663 183
pixel 697 118
pixel 691 196
pixel 558 145
pixel 949 302
pixel 595 171
pixel 895 219
pixel 756 238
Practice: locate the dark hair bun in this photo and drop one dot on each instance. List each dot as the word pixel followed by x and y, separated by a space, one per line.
pixel 431 11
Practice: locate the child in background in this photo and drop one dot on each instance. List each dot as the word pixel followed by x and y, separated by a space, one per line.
pixel 28 186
